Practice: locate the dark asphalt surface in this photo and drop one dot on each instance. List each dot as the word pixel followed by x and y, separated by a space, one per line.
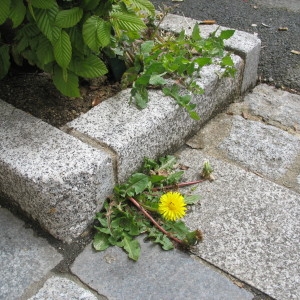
pixel 278 65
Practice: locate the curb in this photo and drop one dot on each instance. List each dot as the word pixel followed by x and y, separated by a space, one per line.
pixel 60 178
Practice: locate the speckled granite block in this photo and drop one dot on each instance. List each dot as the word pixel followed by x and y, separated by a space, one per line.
pixel 59 288
pixel 158 274
pixel 241 43
pixel 24 258
pixel 161 127
pixel 55 178
pixel 251 226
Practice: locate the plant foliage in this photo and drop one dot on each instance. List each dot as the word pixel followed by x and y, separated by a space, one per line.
pixel 120 222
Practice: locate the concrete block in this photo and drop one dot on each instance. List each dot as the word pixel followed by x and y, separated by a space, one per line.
pixel 161 127
pixel 55 178
pixel 59 288
pixel 241 43
pixel 251 226
pixel 24 258
pixel 158 274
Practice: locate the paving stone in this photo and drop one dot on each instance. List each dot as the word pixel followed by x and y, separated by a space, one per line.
pixel 274 105
pixel 251 226
pixel 55 178
pixel 59 288
pixel 159 128
pixel 261 148
pixel 158 274
pixel 24 258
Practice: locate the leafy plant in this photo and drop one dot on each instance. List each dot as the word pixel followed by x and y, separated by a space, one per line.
pixel 66 38
pixel 179 58
pixel 128 213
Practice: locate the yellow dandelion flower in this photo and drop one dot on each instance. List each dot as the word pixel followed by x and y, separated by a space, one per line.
pixel 172 206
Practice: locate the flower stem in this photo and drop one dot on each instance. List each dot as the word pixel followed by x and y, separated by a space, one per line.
pixel 146 214
pixel 178 185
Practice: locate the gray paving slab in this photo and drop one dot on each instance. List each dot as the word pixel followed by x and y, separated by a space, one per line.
pixel 159 128
pixel 59 288
pixel 291 5
pixel 24 258
pixel 275 106
pixel 158 274
pixel 242 43
pixel 58 180
pixel 251 226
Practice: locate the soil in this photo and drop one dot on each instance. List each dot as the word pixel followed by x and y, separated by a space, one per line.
pixel 34 92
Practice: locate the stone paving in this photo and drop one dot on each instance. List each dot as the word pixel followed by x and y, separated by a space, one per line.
pixel 249 215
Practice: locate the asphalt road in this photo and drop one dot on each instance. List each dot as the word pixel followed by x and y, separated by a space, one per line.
pixel 278 65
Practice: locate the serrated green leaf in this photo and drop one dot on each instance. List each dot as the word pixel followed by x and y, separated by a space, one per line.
pixel 203 61
pixel 178 228
pixel 96 33
pixel 101 241
pixel 4 60
pixel 44 51
pixel 192 199
pixel 89 67
pixel 136 184
pixel 68 88
pixel 62 49
pixel 17 12
pixel 140 6
pixel 226 34
pixel 146 47
pixel 167 162
pixel 140 96
pixel 161 239
pixel 45 21
pixel 157 80
pixel 4 10
pixel 43 4
pixel 156 178
pixel 194 115
pixel 175 177
pixel 132 247
pixel 69 17
pixel 126 21
pixel 196 33
pixel 89 4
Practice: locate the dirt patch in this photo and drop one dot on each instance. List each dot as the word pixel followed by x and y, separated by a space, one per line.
pixel 35 93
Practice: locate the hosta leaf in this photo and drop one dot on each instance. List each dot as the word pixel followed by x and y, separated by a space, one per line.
pixel 68 88
pixel 126 21
pixel 4 60
pixel 89 67
pixel 44 4
pixel 101 242
pixel 45 21
pixel 69 17
pixel 63 50
pixel 17 12
pixel 96 33
pixel 4 10
pixel 132 247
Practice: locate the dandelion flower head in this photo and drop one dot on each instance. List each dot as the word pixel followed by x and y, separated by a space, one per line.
pixel 172 206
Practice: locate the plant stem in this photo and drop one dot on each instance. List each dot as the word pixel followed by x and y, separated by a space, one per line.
pixel 146 214
pixel 178 185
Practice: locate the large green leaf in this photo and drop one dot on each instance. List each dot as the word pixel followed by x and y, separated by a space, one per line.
pixel 96 33
pixel 67 87
pixel 44 4
pixel 101 242
pixel 140 6
pixel 17 12
pixel 126 21
pixel 4 10
pixel 69 17
pixel 45 21
pixel 63 49
pixel 136 184
pixel 90 67
pixel 44 51
pixel 226 34
pixel 89 4
pixel 4 60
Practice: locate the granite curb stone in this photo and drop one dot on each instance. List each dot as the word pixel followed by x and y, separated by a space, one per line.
pixel 55 178
pixel 62 180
